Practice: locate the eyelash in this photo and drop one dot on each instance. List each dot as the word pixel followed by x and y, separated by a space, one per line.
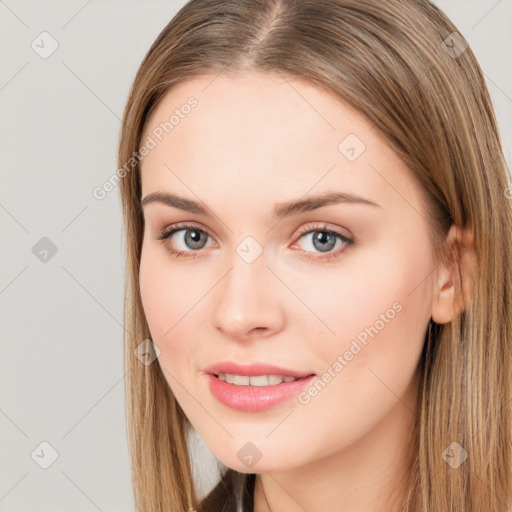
pixel 169 231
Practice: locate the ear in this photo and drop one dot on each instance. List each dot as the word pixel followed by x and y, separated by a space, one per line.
pixel 455 277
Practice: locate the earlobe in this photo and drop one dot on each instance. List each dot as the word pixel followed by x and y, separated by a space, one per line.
pixel 455 277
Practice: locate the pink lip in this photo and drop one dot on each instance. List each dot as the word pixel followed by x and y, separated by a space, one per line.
pixel 254 398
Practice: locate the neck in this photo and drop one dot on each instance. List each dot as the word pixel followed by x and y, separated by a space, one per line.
pixel 366 476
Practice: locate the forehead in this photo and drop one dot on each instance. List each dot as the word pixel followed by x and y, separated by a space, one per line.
pixel 256 110
pixel 268 134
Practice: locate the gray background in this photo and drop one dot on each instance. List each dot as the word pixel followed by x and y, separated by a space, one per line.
pixel 61 370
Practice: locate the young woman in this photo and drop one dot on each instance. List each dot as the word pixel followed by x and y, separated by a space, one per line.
pixel 318 246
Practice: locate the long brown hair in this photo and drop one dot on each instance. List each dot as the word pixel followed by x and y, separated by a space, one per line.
pixel 403 65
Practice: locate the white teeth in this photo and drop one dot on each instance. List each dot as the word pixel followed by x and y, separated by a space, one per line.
pixel 241 380
pixel 259 380
pixel 255 380
pixel 275 379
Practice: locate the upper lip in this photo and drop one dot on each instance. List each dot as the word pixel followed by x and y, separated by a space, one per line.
pixel 253 369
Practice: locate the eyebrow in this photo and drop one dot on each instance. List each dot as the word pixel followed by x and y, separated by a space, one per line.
pixel 280 210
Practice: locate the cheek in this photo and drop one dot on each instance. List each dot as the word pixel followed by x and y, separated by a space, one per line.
pixel 167 296
pixel 379 322
pixel 164 299
pixel 383 286
pixel 155 293
pixel 377 310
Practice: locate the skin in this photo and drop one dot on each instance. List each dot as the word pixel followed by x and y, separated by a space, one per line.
pixel 254 140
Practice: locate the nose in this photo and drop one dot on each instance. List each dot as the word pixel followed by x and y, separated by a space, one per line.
pixel 246 302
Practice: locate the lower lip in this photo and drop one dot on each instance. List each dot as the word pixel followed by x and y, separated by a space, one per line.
pixel 255 398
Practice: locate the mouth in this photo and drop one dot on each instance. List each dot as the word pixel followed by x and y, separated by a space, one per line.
pixel 256 393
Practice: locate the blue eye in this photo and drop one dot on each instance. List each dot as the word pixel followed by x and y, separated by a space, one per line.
pixel 193 238
pixel 323 240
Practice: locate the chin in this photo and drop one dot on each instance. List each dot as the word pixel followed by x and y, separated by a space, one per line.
pixel 243 463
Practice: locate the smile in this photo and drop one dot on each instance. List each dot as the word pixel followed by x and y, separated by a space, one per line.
pixel 255 380
pixel 248 395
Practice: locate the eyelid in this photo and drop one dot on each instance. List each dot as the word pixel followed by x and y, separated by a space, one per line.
pixel 308 228
pixel 321 226
pixel 168 230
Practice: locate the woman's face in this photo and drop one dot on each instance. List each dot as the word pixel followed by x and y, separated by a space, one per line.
pixel 339 289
